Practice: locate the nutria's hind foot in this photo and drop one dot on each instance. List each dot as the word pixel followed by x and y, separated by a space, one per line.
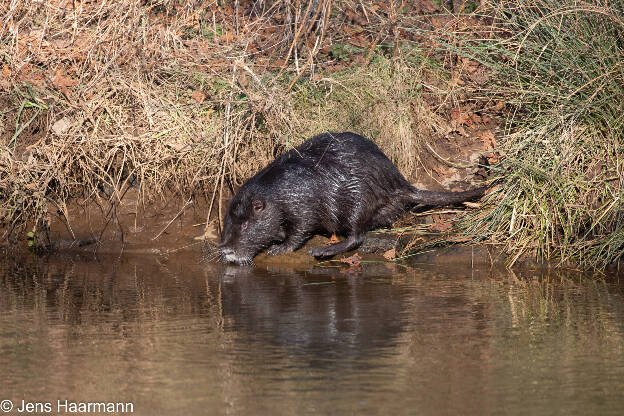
pixel 347 244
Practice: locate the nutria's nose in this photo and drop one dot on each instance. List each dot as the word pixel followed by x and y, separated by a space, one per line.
pixel 226 251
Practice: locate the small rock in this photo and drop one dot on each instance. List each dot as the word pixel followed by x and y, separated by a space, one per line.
pixel 61 126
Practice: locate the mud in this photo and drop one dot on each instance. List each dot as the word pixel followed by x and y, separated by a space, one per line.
pixel 163 226
pixel 172 226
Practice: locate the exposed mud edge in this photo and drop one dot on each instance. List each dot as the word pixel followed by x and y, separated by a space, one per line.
pixel 172 225
pixel 163 225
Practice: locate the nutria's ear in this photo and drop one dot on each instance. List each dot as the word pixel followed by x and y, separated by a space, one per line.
pixel 281 234
pixel 258 205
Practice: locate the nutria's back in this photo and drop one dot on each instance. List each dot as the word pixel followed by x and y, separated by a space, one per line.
pixel 332 183
pixel 337 175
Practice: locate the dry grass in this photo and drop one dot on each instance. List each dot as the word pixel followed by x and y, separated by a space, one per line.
pixel 559 67
pixel 187 97
pixel 113 87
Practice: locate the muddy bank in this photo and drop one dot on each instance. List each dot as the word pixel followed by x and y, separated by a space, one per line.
pixel 169 226
pixel 173 226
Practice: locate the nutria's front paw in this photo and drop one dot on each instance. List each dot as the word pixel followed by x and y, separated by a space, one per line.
pixel 277 249
pixel 319 252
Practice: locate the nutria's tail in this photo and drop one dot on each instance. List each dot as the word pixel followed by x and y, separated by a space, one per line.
pixel 422 197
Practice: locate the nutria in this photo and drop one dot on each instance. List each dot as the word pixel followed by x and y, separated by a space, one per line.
pixel 333 183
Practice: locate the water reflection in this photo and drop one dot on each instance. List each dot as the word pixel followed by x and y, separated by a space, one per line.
pixel 175 335
pixel 323 314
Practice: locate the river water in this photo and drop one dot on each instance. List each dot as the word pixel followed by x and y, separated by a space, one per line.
pixel 179 336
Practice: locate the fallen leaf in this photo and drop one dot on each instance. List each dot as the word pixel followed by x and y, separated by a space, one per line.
pixel 492 158
pixel 439 225
pixel 475 118
pixel 429 6
pixel 390 254
pixel 198 96
pixel 31 74
pixel 63 82
pixel 179 146
pixel 356 18
pixel 460 117
pixel 6 71
pixel 354 260
pixel 227 37
pixel 488 139
pixel 498 106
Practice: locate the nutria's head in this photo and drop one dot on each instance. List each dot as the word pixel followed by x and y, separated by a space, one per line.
pixel 251 225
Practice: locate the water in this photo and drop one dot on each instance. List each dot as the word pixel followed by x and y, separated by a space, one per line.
pixel 174 336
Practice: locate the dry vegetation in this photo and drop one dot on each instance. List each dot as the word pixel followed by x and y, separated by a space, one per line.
pixel 189 98
pixel 560 69
pixel 193 97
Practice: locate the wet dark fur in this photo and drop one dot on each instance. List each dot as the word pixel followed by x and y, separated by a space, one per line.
pixel 333 183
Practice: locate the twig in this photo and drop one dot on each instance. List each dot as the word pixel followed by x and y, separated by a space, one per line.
pixel 189 202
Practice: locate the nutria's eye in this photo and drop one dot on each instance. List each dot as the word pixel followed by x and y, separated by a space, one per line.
pixel 258 205
pixel 244 225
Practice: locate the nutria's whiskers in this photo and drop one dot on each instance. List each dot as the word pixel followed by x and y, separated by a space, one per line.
pixel 210 251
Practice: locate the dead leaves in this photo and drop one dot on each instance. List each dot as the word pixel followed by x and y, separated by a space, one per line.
pixel 390 254
pixel 31 74
pixel 439 224
pixel 62 82
pixel 460 117
pixel 492 158
pixel 61 126
pixel 227 37
pixel 198 96
pixel 352 261
pixel 488 139
pixel 5 81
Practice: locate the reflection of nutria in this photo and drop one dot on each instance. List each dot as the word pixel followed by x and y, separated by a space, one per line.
pixel 338 183
pixel 319 313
